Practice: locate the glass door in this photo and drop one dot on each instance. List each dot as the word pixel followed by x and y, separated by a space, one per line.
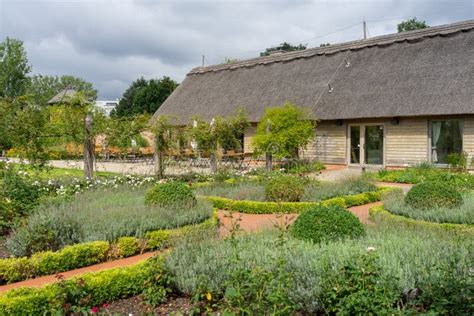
pixel 373 145
pixel 354 150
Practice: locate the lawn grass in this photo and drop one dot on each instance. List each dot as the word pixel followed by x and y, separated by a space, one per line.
pixel 103 214
pixel 54 173
pixel 464 214
pixel 314 190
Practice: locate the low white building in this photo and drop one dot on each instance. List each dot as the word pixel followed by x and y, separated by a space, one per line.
pixel 106 106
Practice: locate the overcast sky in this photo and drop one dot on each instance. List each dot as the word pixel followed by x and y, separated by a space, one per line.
pixel 113 42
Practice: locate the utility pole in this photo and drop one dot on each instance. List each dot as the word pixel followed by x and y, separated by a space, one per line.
pixel 203 57
pixel 364 25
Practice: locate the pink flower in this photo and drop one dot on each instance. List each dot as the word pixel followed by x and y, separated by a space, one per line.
pixel 105 305
pixel 94 310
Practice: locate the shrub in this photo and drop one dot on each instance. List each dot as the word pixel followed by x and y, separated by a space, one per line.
pixel 458 160
pixel 99 215
pixel 49 262
pixel 359 287
pixel 127 246
pixel 322 224
pixel 433 194
pixel 78 295
pixel 284 189
pixel 6 215
pixel 80 255
pixel 22 193
pixel 395 203
pixel 171 193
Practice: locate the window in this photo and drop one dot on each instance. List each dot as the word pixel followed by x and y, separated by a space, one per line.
pixel 446 138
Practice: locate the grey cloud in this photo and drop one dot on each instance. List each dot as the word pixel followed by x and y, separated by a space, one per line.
pixel 114 42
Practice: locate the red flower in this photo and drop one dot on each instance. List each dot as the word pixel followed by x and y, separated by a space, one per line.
pixel 94 310
pixel 105 305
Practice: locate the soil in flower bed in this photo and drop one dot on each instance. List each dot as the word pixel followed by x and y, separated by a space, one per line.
pixel 136 306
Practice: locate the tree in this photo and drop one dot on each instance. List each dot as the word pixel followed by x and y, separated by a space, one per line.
pixel 282 131
pixel 144 96
pixel 77 121
pixel 27 129
pixel 221 132
pixel 411 24
pixel 43 88
pixel 162 128
pixel 286 47
pixel 122 132
pixel 14 68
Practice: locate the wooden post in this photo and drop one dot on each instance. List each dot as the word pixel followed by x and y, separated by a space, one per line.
pixel 213 153
pixel 88 148
pixel 268 154
pixel 158 157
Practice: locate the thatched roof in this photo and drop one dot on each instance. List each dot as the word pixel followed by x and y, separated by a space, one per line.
pixel 423 72
pixel 63 96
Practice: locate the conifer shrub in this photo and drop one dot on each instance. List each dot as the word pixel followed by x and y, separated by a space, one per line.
pixel 171 193
pixel 284 189
pixel 327 223
pixel 434 194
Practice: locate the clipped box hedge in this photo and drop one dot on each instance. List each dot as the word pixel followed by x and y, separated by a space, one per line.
pixel 254 207
pixel 86 254
pixel 380 214
pixel 100 287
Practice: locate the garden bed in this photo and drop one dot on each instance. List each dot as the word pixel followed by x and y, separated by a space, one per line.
pixel 462 214
pixel 314 191
pixel 401 269
pixel 380 214
pixel 423 173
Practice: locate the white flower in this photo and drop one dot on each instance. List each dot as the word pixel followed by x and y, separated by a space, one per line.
pixel 370 249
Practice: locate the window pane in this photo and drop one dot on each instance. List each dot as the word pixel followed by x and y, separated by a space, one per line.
pixel 446 138
pixel 355 144
pixel 374 144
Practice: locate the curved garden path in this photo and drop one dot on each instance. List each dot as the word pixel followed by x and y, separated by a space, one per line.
pixel 258 222
pixel 40 281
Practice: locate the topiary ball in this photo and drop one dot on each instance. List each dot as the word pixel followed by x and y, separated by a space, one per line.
pixel 327 223
pixel 284 189
pixel 433 194
pixel 171 193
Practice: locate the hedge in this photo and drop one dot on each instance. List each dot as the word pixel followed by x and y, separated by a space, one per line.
pixel 96 288
pixel 253 207
pixel 380 214
pixel 85 254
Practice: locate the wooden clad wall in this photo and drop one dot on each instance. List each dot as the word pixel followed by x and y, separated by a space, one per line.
pixel 468 137
pixel 407 142
pixel 329 145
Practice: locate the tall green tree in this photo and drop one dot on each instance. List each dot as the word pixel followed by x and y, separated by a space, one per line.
pixel 144 96
pixel 411 24
pixel 282 131
pixel 14 68
pixel 286 47
pixel 43 88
